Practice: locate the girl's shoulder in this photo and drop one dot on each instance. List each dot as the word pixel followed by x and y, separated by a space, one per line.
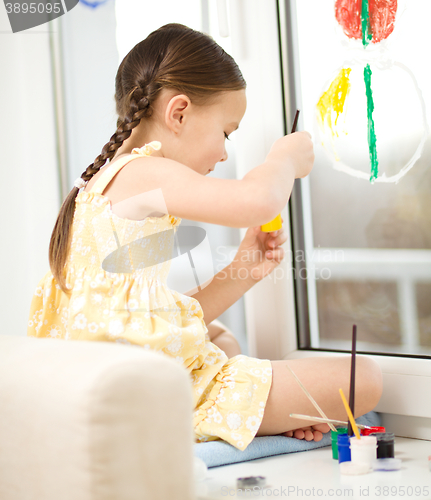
pixel 125 183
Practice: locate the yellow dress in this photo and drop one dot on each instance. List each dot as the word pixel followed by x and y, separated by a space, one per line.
pixel 116 272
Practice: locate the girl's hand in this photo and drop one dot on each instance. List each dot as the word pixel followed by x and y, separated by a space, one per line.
pixel 259 252
pixel 296 150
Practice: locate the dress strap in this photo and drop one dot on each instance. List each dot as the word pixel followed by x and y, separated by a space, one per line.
pixel 101 183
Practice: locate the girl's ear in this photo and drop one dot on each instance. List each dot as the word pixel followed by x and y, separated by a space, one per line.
pixel 177 111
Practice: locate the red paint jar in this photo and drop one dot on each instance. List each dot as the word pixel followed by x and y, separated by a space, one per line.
pixel 367 432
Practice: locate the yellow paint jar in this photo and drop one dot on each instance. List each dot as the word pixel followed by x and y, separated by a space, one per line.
pixel 273 225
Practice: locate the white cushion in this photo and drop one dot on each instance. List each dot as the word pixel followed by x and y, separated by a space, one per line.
pixel 93 421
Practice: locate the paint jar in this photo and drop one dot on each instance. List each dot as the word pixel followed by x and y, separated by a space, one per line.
pixel 354 469
pixel 363 450
pixel 385 444
pixel 372 430
pixel 387 464
pixel 334 436
pixel 273 225
pixel 343 448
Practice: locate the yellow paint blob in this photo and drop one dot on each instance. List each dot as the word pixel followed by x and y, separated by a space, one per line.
pixel 331 103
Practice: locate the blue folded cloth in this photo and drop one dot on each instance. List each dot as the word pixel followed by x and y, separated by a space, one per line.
pixel 216 453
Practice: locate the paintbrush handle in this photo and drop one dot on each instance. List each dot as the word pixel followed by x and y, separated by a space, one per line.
pixel 276 224
pixel 349 414
pixel 325 421
pixel 309 396
pixel 352 379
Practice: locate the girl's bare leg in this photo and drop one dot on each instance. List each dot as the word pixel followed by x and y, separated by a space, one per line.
pixel 322 377
pixel 223 338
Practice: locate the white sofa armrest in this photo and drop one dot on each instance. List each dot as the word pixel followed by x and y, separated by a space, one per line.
pixel 93 421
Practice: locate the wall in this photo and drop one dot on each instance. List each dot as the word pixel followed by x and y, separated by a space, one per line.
pixel 29 202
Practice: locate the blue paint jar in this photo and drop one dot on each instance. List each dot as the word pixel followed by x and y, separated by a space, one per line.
pixel 343 448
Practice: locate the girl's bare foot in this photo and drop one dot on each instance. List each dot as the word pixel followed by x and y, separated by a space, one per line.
pixel 311 433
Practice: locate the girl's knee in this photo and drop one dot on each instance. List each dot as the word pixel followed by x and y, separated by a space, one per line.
pixel 369 383
pixel 227 342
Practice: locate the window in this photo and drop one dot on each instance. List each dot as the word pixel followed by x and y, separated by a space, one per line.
pixel 366 246
pixel 286 319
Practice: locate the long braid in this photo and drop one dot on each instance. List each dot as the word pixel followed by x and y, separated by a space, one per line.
pixel 139 107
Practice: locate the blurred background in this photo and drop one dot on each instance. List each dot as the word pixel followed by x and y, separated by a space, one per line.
pixel 367 247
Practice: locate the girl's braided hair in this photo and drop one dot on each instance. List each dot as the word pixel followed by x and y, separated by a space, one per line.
pixel 172 57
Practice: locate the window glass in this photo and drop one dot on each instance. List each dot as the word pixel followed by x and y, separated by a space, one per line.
pixel 366 206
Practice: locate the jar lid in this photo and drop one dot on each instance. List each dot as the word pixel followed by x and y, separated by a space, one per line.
pixel 370 430
pixel 339 430
pixel 251 482
pixel 384 436
pixel 343 439
pixel 387 464
pixel 364 441
pixel 354 468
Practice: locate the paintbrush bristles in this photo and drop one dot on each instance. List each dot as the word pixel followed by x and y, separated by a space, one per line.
pixel 309 396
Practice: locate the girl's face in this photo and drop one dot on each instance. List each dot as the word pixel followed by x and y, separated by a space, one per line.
pixel 198 133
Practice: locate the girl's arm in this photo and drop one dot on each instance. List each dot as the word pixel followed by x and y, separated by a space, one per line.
pixel 251 201
pixel 257 256
pixel 224 290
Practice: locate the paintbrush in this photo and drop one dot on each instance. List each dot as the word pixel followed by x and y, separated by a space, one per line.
pixel 295 121
pixel 352 380
pixel 326 421
pixel 349 414
pixel 276 223
pixel 309 396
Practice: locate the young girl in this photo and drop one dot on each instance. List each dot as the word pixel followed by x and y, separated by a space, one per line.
pixel 178 97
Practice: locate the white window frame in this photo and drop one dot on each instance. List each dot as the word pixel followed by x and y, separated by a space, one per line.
pixel 270 304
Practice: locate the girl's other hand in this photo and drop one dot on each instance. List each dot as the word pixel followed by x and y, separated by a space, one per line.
pixel 259 252
pixel 296 147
